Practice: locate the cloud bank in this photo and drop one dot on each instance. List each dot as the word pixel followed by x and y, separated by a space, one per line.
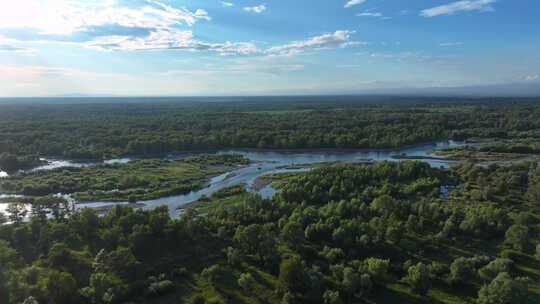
pixel 337 39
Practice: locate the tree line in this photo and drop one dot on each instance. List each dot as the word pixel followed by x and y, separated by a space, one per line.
pixel 96 131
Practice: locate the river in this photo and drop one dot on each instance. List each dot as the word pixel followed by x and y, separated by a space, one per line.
pixel 269 162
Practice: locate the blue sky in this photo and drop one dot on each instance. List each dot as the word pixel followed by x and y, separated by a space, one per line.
pixel 252 47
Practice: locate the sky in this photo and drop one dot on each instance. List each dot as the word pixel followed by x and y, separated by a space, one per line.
pixel 256 47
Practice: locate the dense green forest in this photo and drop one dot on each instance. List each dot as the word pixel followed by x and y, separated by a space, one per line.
pixel 380 233
pixel 96 131
pixel 383 232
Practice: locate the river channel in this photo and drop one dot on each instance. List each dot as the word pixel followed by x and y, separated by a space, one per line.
pixel 268 162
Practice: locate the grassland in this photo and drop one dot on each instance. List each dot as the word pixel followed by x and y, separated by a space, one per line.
pixel 136 180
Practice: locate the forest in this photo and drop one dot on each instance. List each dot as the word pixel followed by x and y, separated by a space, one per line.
pixel 343 232
pixel 100 131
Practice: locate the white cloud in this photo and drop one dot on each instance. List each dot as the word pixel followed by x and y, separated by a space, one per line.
pixel 449 44
pixel 227 4
pixel 373 14
pixel 352 3
pixel 401 56
pixel 370 14
pixel 185 40
pixel 255 9
pixel 63 17
pixel 108 26
pixel 532 77
pixel 459 6
pixel 179 40
pixel 330 40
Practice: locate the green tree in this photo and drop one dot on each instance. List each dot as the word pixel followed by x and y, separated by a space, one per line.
pixel 385 204
pixel 418 279
pixel 8 260
pixel 461 270
pixel 59 253
pixel 246 281
pixel 332 297
pixel 104 288
pixel 504 290
pixel 16 212
pixel 292 276
pixel 293 234
pixel 234 257
pixel 517 237
pixel 366 285
pixel 60 287
pixel 377 268
pixel 492 270
pixel 256 239
pixel 213 274
pixel 351 281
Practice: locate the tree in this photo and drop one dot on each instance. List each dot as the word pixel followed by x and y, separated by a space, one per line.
pixel 213 274
pixel 385 204
pixel 104 288
pixel 366 285
pixel 418 279
pixel 30 300
pixel 292 277
pixel 39 211
pixel 59 253
pixel 60 287
pixel 377 268
pixel 8 260
pixel 332 297
pixel 16 212
pixel 537 255
pixel 293 234
pixel 517 237
pixel 492 270
pixel 198 299
pixel 504 290
pixel 351 281
pixel 9 162
pixel 256 239
pixel 234 257
pixel 394 234
pixel 461 270
pixel 246 281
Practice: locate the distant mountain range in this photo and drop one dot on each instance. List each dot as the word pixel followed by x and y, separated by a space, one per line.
pixel 529 89
pixel 520 90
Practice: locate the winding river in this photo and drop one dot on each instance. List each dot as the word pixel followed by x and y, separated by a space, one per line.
pixel 269 162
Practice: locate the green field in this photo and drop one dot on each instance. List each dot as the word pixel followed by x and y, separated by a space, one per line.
pixel 136 180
